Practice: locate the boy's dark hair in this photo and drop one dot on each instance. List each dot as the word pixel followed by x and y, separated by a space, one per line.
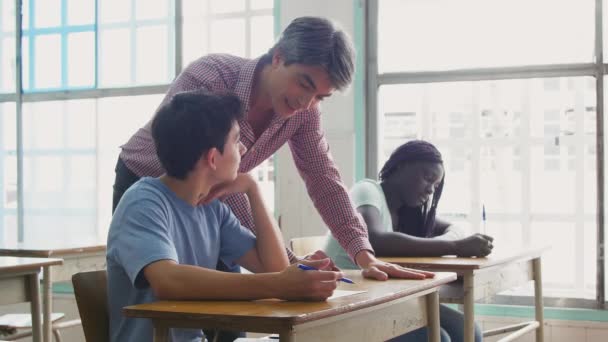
pixel 417 151
pixel 316 41
pixel 190 124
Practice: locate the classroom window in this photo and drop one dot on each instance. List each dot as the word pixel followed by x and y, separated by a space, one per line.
pixel 58 44
pixel 136 42
pixel 516 139
pixel 243 28
pixel 94 72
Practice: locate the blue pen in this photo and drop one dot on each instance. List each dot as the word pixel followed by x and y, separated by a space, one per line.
pixel 309 268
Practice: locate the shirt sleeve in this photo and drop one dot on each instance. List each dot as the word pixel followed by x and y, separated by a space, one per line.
pixel 315 164
pixel 142 238
pixel 235 240
pixel 239 203
pixel 366 193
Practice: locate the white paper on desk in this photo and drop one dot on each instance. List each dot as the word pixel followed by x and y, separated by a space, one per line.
pixel 342 293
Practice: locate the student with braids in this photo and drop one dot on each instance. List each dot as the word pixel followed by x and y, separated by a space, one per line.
pixel 400 213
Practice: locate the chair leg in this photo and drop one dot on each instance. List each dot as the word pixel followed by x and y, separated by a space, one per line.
pixel 57 335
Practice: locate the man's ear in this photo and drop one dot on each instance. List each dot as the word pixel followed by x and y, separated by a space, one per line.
pixel 277 58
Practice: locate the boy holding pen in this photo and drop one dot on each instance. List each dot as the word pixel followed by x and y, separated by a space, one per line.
pixel 162 245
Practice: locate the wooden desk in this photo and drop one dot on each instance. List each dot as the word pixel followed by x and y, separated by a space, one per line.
pixel 77 256
pixel 481 278
pixel 19 283
pixel 385 310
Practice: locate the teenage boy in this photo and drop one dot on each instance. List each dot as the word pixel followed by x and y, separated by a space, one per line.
pixel 163 245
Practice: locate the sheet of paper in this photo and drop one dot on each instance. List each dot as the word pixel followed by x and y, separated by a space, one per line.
pixel 342 293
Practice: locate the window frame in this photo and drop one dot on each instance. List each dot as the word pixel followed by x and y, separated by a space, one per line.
pixel 597 69
pixel 19 97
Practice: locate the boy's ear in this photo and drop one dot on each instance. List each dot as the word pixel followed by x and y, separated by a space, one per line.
pixel 211 158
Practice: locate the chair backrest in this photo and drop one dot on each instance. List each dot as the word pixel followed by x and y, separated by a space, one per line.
pixel 91 292
pixel 307 244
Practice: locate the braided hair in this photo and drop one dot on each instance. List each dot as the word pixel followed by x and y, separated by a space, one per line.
pixel 417 151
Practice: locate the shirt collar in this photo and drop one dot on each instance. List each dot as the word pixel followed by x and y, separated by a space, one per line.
pixel 245 81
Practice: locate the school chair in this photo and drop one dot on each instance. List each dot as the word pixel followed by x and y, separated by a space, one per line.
pixel 12 324
pixel 307 244
pixel 91 292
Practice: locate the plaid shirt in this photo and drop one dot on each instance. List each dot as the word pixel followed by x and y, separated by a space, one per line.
pixel 303 133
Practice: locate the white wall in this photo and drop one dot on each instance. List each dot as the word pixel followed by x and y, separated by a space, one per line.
pixel 298 215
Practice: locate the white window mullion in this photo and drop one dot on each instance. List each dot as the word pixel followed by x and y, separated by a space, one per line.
pixel 579 192
pixel 133 34
pixel 526 170
pixel 475 208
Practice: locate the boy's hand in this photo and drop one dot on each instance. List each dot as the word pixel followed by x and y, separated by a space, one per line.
pixel 297 284
pixel 243 183
pixel 478 245
pixel 319 255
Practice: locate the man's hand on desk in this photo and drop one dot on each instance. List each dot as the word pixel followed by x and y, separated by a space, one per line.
pixel 375 269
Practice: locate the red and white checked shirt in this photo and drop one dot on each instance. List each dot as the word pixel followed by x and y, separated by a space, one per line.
pixel 303 133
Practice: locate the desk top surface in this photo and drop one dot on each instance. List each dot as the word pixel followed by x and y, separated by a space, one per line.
pixel 452 263
pixel 12 264
pixel 291 312
pixel 53 248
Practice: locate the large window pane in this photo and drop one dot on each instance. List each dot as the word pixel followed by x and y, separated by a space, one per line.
pixel 262 35
pixel 221 6
pixel 114 57
pixel 119 118
pixel 114 11
pixel 523 149
pixel 81 12
pixel 228 36
pixel 417 35
pixel 47 65
pixel 152 9
pixel 81 59
pixel 7 65
pixel 151 55
pixel 47 13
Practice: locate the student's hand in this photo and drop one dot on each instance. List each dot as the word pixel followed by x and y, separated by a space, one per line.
pixel 297 284
pixel 478 245
pixel 243 183
pixel 380 270
pixel 319 255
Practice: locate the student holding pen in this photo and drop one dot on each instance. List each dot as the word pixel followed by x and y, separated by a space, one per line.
pixel 400 213
pixel 163 245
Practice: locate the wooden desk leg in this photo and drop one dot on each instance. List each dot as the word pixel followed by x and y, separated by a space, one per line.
pixel 432 319
pixel 161 332
pixel 469 308
pixel 47 294
pixel 538 300
pixel 34 288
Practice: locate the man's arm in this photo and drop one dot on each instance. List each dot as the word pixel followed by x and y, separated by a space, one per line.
pixel 315 164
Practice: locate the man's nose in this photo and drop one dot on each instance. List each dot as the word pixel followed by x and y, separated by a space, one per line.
pixel 242 148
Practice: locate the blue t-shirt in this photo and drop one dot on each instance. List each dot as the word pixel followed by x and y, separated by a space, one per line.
pixel 150 224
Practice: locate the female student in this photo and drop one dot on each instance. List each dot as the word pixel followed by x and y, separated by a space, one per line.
pixel 400 213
